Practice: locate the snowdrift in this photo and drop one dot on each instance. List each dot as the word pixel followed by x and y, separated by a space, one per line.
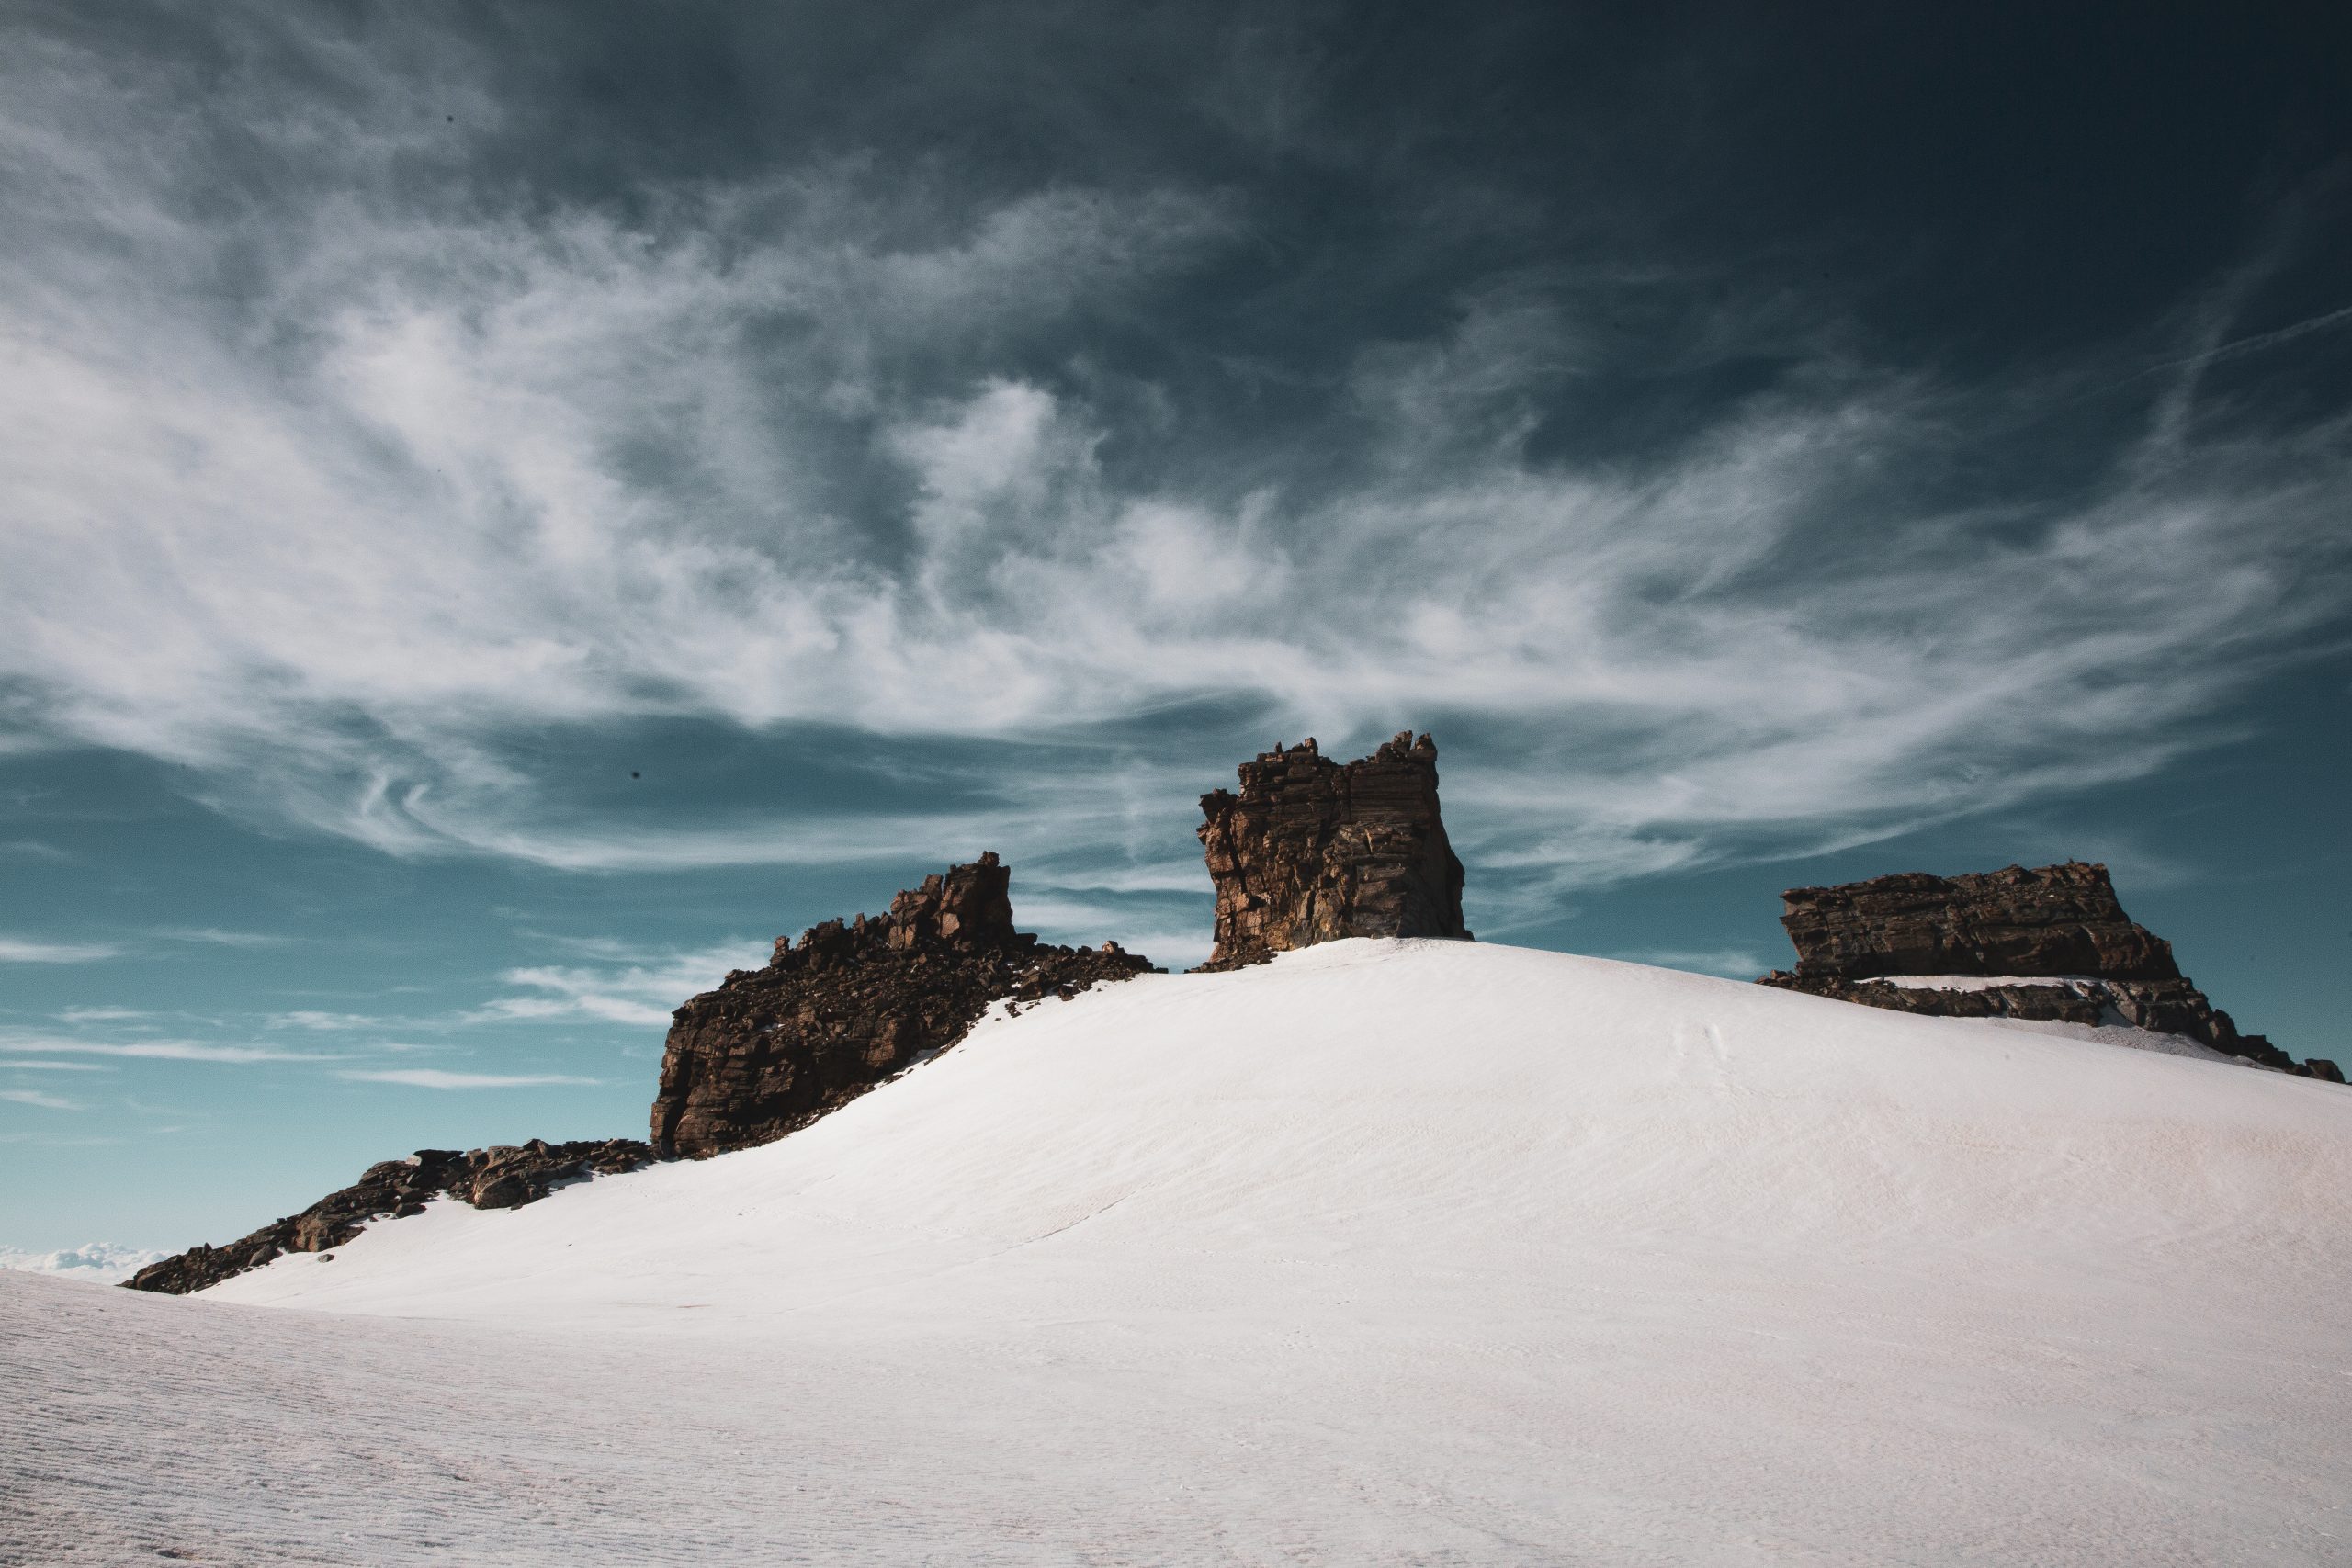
pixel 1386 1251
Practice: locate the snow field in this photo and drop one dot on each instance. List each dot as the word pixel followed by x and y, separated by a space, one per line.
pixel 1388 1252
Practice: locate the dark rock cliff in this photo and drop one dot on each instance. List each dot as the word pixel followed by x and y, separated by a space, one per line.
pixel 1312 850
pixel 506 1177
pixel 853 1003
pixel 2059 927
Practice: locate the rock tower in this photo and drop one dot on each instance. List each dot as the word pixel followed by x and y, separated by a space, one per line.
pixel 1312 850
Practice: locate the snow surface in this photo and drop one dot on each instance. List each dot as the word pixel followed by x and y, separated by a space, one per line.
pixel 1387 1252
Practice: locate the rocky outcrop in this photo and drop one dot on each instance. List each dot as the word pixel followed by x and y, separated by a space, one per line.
pixel 853 1003
pixel 1312 850
pixel 769 1050
pixel 2055 937
pixel 505 1177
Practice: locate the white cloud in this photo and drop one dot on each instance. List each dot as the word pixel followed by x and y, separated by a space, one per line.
pixel 103 1014
pixel 639 988
pixel 1087 922
pixel 156 1049
pixel 59 1068
pixel 35 1097
pixel 305 1018
pixel 98 1262
pixel 15 949
pixel 433 1077
pixel 214 936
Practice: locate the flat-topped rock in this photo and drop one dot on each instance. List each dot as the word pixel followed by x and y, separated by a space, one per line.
pixel 2052 941
pixel 2051 919
pixel 1313 851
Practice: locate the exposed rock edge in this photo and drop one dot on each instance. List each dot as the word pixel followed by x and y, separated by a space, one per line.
pixel 1313 851
pixel 504 1177
pixel 2060 926
pixel 853 1003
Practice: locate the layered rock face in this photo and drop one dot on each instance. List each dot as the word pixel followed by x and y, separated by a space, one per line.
pixel 851 1003
pixel 505 1177
pixel 1312 850
pixel 2054 939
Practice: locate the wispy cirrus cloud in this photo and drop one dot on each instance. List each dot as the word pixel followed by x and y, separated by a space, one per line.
pixel 154 1050
pixel 637 987
pixel 214 937
pixel 331 1022
pixel 795 451
pixel 17 949
pixel 35 1097
pixel 433 1078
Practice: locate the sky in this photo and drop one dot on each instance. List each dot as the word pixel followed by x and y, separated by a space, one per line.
pixel 506 509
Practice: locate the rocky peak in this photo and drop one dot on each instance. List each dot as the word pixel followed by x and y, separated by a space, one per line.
pixel 2055 937
pixel 1311 851
pixel 853 1002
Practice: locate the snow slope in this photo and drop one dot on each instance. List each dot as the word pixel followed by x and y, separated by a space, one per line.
pixel 1385 1252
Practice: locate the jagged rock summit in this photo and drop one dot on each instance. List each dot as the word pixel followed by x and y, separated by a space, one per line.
pixel 2049 943
pixel 851 1004
pixel 1313 851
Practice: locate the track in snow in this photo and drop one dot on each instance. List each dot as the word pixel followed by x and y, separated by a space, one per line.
pixel 1387 1252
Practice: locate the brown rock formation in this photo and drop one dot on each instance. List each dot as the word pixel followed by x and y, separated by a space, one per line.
pixel 849 1005
pixel 505 1177
pixel 1311 851
pixel 2062 924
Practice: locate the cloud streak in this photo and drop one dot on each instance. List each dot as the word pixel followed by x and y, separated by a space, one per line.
pixel 433 1078
pixel 16 950
pixel 157 1050
pixel 641 989
pixel 35 1097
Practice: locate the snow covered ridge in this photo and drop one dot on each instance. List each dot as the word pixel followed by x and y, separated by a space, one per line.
pixel 1385 1252
pixel 1309 852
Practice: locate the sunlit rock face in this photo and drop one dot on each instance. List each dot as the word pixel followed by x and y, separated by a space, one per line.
pixel 1312 850
pixel 851 1003
pixel 1877 941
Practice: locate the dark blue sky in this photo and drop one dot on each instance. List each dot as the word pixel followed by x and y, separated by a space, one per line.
pixel 506 509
